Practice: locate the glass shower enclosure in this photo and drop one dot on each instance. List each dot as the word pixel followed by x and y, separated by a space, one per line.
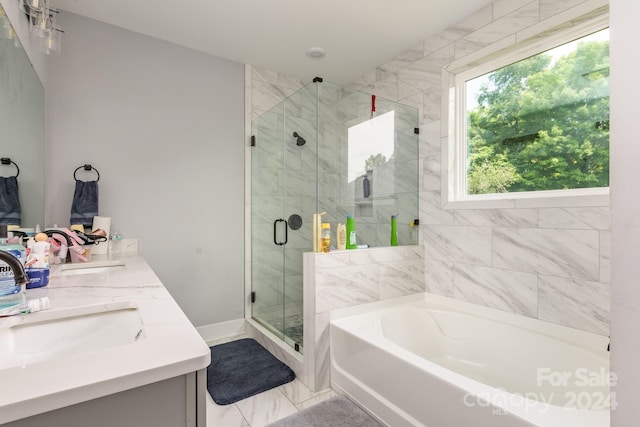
pixel 323 149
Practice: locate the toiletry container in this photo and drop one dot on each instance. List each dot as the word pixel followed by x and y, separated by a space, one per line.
pixel 317 231
pixel 366 187
pixel 10 294
pixel 38 277
pixel 326 237
pixel 394 231
pixel 38 262
pixel 101 223
pixel 115 243
pixel 341 237
pixel 351 233
pixel 39 255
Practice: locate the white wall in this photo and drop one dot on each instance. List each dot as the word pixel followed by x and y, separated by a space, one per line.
pixel 625 207
pixel 164 126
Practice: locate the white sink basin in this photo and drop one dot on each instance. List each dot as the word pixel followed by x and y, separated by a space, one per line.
pixel 91 267
pixel 49 334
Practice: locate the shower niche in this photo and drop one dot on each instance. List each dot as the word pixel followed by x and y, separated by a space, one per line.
pixel 323 149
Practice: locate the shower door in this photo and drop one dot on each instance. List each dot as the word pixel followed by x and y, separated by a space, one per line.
pixel 283 181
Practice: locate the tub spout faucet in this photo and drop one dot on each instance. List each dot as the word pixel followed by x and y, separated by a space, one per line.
pixel 16 266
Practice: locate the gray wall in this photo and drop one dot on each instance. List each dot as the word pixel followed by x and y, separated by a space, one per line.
pixel 164 126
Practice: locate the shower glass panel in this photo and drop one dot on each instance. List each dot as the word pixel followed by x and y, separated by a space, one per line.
pixel 283 177
pixel 368 165
pixel 321 150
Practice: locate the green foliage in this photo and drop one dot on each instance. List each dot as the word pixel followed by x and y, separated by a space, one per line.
pixel 374 161
pixel 541 125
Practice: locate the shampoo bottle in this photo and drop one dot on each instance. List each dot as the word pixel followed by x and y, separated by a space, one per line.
pixel 351 233
pixel 341 237
pixel 317 231
pixel 326 237
pixel 366 187
pixel 394 232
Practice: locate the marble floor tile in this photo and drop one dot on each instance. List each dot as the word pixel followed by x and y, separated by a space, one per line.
pixel 296 392
pixel 265 408
pixel 227 415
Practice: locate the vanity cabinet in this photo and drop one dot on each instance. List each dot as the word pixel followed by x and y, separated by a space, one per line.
pixel 174 402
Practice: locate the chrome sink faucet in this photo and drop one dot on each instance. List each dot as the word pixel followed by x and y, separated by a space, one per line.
pixel 16 266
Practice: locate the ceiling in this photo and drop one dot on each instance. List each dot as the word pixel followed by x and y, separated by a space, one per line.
pixel 357 35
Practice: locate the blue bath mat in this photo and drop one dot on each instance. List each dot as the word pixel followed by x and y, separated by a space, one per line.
pixel 243 368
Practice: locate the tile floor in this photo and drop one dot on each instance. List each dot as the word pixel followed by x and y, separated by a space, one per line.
pixel 263 408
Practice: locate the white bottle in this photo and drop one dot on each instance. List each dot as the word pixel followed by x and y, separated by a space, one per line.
pixel 30 243
pixel 39 255
pixel 341 237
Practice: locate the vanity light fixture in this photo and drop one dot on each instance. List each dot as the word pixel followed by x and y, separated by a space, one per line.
pixel 6 30
pixel 42 23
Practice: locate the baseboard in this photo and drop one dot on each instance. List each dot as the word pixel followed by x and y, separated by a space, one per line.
pixel 221 330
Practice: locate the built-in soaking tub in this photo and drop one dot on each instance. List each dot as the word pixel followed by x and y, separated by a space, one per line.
pixel 427 360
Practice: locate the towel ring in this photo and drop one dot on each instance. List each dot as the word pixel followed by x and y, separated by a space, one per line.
pixel 87 168
pixel 8 161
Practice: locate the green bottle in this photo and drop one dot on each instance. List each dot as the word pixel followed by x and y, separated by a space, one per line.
pixel 394 232
pixel 351 233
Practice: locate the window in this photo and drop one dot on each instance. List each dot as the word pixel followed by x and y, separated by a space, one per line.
pixel 538 122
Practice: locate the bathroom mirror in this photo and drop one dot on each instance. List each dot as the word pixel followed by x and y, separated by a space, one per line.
pixel 22 124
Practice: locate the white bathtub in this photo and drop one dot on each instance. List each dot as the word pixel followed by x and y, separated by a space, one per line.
pixel 427 360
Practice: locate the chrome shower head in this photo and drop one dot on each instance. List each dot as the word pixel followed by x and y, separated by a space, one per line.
pixel 300 141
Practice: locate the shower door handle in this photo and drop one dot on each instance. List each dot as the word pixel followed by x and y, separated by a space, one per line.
pixel 275 232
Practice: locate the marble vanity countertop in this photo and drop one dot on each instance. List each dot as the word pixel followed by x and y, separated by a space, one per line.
pixel 170 347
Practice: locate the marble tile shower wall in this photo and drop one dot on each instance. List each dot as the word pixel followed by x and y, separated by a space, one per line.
pixel 337 109
pixel 393 186
pixel 550 263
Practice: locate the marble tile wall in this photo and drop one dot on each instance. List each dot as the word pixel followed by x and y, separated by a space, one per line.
pixel 549 263
pixel 347 278
pixel 338 108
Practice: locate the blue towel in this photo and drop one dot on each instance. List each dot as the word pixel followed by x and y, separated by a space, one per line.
pixel 85 203
pixel 10 212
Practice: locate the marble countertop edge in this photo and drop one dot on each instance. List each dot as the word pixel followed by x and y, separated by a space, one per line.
pixel 170 347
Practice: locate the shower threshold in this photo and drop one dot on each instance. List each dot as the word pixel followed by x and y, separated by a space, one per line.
pixel 292 332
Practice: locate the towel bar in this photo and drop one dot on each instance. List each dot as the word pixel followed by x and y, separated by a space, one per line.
pixel 8 161
pixel 86 167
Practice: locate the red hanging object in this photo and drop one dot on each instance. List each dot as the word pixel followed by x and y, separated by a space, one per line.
pixel 373 105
